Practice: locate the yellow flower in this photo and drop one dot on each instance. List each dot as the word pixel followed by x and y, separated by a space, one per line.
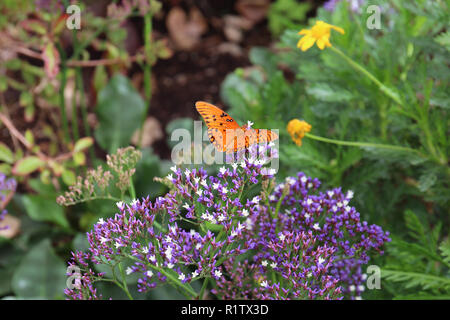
pixel 297 129
pixel 320 32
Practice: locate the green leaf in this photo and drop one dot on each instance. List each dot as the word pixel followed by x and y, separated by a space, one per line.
pixel 324 92
pixel 120 110
pixel 82 144
pixel 44 208
pixel 27 165
pixel 41 274
pixel 68 177
pixel 6 154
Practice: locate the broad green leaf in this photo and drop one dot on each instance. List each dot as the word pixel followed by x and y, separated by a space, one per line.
pixel 27 165
pixel 6 154
pixel 45 208
pixel 120 110
pixel 41 274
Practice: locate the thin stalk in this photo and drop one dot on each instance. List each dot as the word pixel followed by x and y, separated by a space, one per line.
pixel 147 70
pixel 202 290
pixel 62 102
pixel 369 75
pixel 362 144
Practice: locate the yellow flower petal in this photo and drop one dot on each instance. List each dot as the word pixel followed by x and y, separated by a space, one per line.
pixel 320 32
pixel 308 43
pixel 297 129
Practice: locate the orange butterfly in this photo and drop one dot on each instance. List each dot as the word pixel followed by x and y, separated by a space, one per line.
pixel 226 135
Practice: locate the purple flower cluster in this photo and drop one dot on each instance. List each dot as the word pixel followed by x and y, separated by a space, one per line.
pixel 215 221
pixel 315 242
pixel 355 5
pixel 7 187
pixel 288 241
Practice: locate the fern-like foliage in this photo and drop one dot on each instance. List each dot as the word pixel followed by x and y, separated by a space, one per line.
pixel 422 267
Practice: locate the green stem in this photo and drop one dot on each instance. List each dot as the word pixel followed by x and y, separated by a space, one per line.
pixel 362 144
pixel 147 69
pixel 202 290
pixel 391 94
pixel 62 102
pixel 124 282
pixel 131 189
pixel 185 286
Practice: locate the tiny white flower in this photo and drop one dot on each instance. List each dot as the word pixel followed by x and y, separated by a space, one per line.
pixel 170 176
pixel 195 274
pixel 271 144
pixel 364 276
pixel 233 234
pixel 255 200
pixel 187 172
pixel 169 240
pixel 264 284
pixel 249 124
pixel 215 186
pixel 290 180
pixel 264 263
pixel 309 275
pixel 181 277
pixel 199 192
pixel 339 204
pixel 361 288
pixel 309 201
pixel 321 260
pixel 149 273
pixel 310 185
pixel 117 245
pixel 120 205
pixel 358 298
pixel 224 190
pixel 103 240
pixel 249 224
pixel 243 165
pixel 170 265
pixel 282 237
pixel 222 170
pixel 186 206
pixel 221 217
pixel 129 271
pixel 273 265
pixel 349 194
pixel 152 258
pixel 101 221
pixel 198 246
pixel 348 208
pixel 240 226
pixel 204 183
pixel 334 208
pixel 174 168
pixel 196 180
pixel 316 226
pixel 303 179
pixel 193 232
pixel 272 197
pixel 352 288
pixel 330 194
pixel 217 273
pixel 145 250
pixel 307 215
pixel 245 212
pixel 234 165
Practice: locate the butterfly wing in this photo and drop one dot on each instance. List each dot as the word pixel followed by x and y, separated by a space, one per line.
pixel 218 122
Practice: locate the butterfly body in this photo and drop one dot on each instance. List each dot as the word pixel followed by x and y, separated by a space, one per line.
pixel 225 134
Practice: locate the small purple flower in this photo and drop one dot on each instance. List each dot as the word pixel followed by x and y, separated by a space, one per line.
pixel 7 187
